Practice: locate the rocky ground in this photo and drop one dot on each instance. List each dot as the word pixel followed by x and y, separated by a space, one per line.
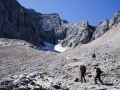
pixel 22 67
pixel 18 22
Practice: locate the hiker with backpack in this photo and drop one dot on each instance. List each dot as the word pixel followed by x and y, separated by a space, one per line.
pixel 82 71
pixel 97 76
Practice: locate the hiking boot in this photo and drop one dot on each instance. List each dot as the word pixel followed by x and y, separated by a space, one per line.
pixel 96 83
pixel 102 83
pixel 81 81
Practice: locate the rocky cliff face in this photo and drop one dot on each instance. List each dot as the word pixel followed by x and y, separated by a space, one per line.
pixel 18 22
pixel 77 33
pixel 15 23
pixel 105 25
pixel 54 30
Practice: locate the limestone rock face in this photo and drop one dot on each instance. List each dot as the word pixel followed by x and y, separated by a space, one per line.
pixel 17 22
pixel 77 33
pixel 115 20
pixel 105 25
pixel 100 29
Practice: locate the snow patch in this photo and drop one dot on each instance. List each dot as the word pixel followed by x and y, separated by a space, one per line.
pixel 59 48
pixel 51 47
pixel 48 47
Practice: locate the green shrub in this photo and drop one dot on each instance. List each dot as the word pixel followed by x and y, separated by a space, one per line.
pixel 87 73
pixel 118 67
pixel 113 61
pixel 33 83
pixel 66 76
pixel 89 68
pixel 97 64
pixel 30 80
pixel 76 60
pixel 41 88
pixel 105 74
pixel 118 76
pixel 92 87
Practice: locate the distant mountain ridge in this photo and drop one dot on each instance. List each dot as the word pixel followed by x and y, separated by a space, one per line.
pixel 18 22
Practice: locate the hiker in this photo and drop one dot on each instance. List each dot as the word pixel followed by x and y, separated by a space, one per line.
pixel 97 75
pixel 82 71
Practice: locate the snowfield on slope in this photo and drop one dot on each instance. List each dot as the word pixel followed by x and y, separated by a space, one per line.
pixel 51 47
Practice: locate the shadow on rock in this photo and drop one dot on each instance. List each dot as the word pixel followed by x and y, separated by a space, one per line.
pixel 109 84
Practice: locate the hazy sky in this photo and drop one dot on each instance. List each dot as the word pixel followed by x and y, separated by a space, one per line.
pixel 76 10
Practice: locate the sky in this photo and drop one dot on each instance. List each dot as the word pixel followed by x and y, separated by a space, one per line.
pixel 74 11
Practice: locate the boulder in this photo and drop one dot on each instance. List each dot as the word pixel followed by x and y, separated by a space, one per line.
pixel 6 81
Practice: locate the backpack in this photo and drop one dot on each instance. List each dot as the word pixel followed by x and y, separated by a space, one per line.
pixel 98 71
pixel 82 68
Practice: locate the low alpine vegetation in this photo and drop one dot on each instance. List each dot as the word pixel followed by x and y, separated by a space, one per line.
pixel 113 61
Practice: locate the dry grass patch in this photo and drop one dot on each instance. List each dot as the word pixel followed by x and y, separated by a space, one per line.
pixel 44 73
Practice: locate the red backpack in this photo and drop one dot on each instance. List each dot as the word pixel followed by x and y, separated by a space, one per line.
pixel 82 68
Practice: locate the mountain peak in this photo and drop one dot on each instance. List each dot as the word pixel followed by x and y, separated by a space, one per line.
pixel 84 23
